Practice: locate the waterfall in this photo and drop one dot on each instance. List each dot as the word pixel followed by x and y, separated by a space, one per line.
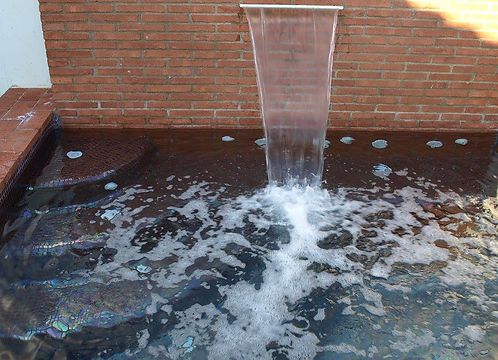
pixel 293 50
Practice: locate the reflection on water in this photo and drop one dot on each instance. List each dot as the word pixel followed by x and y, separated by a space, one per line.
pixel 201 261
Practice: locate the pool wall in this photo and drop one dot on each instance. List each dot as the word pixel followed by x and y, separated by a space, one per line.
pixel 400 64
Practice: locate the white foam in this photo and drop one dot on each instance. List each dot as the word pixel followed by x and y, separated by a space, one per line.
pixel 474 332
pixel 409 340
pixel 253 317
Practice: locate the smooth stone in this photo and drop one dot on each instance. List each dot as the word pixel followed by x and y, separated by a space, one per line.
pixel 143 269
pixel 111 186
pixel 261 142
pixel 279 233
pixel 274 236
pixel 322 267
pixel 379 144
pixel 326 144
pixel 55 333
pixel 461 141
pixel 189 342
pixel 227 138
pixel 109 214
pixel 188 345
pixel 383 214
pixel 60 326
pixel 382 170
pixel 74 154
pixel 434 144
pixel 335 241
pixel 348 140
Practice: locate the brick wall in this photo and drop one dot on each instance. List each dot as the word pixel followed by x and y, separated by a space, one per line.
pixel 138 63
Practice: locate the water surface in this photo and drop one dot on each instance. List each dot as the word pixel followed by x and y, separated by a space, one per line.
pixel 193 257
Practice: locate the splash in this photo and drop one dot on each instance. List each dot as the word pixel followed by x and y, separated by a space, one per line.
pixel 285 261
pixel 282 271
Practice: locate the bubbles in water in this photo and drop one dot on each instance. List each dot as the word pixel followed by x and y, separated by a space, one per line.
pixel 281 270
pixel 336 240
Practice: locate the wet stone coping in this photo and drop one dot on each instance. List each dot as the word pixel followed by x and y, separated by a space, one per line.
pixel 25 114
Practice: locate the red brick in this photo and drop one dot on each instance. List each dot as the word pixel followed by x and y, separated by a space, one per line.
pixel 395 66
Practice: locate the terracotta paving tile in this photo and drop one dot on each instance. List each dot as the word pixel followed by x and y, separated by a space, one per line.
pixel 32 94
pixel 7 161
pixel 17 92
pixel 6 156
pixel 20 110
pixel 46 102
pixel 7 102
pixel 19 142
pixel 7 166
pixel 24 115
pixel 38 119
pixel 13 94
pixel 3 176
pixel 6 127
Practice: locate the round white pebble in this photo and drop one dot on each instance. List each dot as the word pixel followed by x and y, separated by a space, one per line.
pixel 74 154
pixel 111 186
pixel 143 269
pixel 379 144
pixel 261 142
pixel 227 138
pixel 461 141
pixel 347 140
pixel 434 144
pixel 382 170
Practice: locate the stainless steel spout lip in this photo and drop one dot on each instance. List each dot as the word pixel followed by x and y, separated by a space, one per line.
pixel 310 7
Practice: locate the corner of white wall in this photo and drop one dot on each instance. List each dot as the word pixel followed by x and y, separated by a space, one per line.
pixel 24 58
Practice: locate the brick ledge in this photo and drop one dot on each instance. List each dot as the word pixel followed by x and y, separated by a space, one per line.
pixel 25 114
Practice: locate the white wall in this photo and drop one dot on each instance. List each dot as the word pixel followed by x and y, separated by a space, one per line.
pixel 23 60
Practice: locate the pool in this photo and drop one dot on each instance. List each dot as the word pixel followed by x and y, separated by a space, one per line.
pixel 170 245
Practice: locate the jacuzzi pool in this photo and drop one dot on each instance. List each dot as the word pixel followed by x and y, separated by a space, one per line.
pixel 169 245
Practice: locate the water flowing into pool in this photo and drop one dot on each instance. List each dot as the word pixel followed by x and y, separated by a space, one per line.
pixel 190 256
pixel 293 50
